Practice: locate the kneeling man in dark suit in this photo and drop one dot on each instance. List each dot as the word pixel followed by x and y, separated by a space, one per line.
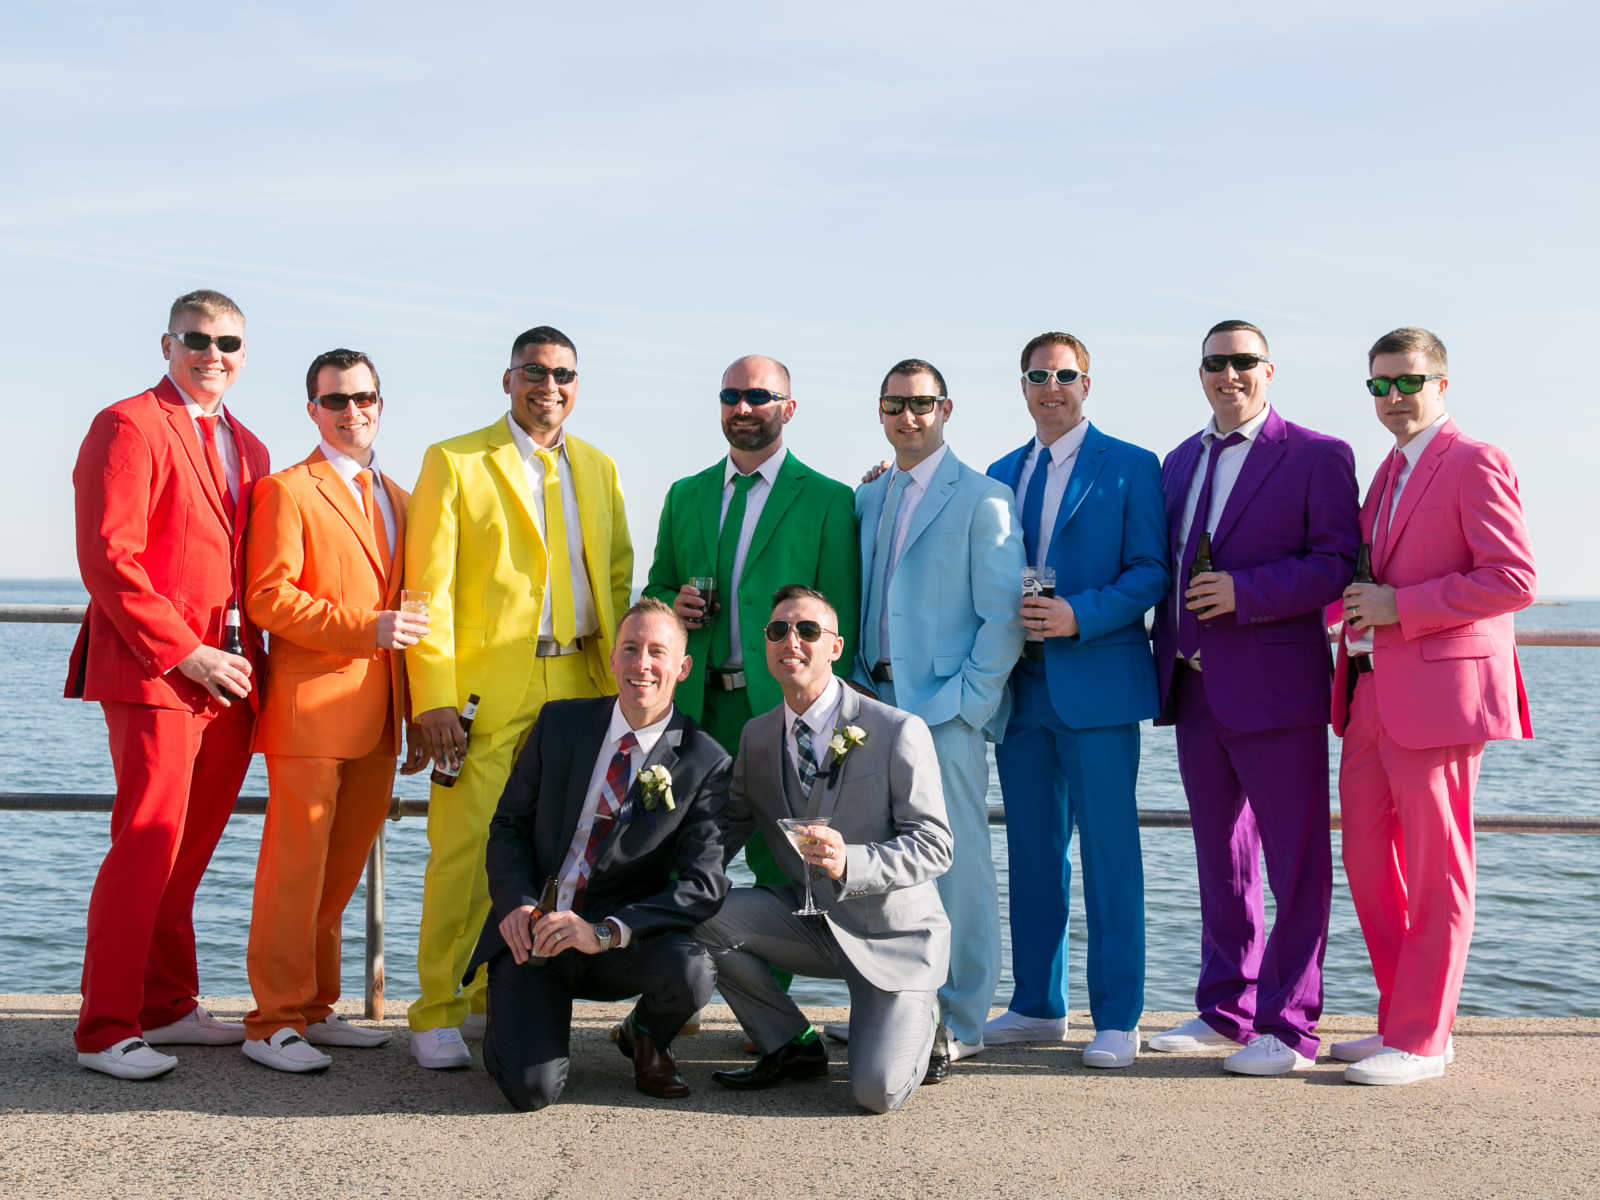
pixel 618 801
pixel 867 774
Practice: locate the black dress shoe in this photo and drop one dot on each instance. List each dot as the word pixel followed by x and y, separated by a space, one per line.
pixel 939 1059
pixel 789 1061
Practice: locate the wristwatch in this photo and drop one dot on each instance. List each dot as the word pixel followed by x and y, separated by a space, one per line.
pixel 603 935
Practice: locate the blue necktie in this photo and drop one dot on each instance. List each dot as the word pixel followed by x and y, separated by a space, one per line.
pixel 880 567
pixel 1188 626
pixel 1033 506
pixel 809 766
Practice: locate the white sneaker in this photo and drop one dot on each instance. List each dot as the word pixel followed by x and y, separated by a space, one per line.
pixel 198 1028
pixel 1363 1048
pixel 959 1049
pixel 286 1050
pixel 1390 1066
pixel 1265 1055
pixel 334 1030
pixel 1193 1036
pixel 839 1031
pixel 1011 1027
pixel 440 1049
pixel 1112 1048
pixel 130 1058
pixel 472 1028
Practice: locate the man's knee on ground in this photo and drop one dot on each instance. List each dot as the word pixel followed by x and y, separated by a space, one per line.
pixel 535 1087
pixel 876 1095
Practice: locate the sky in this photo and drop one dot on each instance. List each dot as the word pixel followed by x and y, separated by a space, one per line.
pixel 839 186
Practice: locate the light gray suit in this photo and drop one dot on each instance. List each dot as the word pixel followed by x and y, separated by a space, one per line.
pixel 884 930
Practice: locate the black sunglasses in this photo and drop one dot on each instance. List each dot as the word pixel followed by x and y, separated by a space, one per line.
pixel 339 401
pixel 228 343
pixel 809 631
pixel 755 397
pixel 1406 385
pixel 1212 364
pixel 1039 376
pixel 538 373
pixel 893 406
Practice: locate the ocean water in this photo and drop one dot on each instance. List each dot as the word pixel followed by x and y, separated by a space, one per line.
pixel 1536 950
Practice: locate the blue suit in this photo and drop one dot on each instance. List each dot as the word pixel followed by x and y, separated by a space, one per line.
pixel 1071 751
pixel 954 635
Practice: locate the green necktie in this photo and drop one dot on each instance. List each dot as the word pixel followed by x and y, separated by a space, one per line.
pixel 727 547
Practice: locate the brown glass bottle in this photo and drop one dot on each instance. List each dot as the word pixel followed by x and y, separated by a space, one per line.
pixel 1202 556
pixel 232 641
pixel 547 904
pixel 443 773
pixel 1364 566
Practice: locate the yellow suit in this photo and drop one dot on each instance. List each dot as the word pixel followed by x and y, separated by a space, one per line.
pixel 472 541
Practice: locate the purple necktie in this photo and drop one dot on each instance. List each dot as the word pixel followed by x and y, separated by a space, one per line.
pixel 1188 627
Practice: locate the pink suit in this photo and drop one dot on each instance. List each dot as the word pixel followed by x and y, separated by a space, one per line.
pixel 1445 680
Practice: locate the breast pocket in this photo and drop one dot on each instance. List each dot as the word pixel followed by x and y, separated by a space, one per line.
pixel 1460 645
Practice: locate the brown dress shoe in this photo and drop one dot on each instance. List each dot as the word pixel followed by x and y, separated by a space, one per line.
pixel 654 1071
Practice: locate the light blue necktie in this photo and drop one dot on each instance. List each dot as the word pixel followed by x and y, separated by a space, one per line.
pixel 880 565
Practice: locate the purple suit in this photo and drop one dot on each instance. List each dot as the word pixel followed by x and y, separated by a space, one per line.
pixel 1252 725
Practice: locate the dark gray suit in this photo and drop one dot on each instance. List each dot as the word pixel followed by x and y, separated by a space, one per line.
pixel 884 930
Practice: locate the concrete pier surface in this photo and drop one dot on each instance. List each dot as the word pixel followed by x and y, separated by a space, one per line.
pixel 1518 1114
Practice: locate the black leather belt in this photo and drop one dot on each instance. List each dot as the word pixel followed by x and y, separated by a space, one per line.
pixel 1361 664
pixel 726 681
pixel 1033 651
pixel 882 673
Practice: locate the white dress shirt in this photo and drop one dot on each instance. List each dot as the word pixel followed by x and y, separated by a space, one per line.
pixel 754 501
pixel 584 620
pixel 571 866
pixel 918 478
pixel 1410 453
pixel 348 468
pixel 1063 457
pixel 819 718
pixel 226 450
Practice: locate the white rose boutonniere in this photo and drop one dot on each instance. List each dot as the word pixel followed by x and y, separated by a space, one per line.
pixel 655 787
pixel 845 739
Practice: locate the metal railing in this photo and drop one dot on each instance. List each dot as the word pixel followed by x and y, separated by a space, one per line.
pixel 407 806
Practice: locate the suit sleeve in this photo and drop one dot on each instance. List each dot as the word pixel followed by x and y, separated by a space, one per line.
pixel 432 532
pixel 112 482
pixel 510 860
pixel 839 571
pixel 996 559
pixel 1502 577
pixel 699 884
pixel 621 554
pixel 1307 582
pixel 738 821
pixel 275 542
pixel 1146 574
pixel 923 846
pixel 665 577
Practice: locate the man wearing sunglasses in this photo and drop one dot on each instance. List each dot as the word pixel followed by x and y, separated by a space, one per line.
pixel 1427 672
pixel 755 520
pixel 941 560
pixel 1242 658
pixel 519 533
pixel 868 774
pixel 323 567
pixel 162 484
pixel 1092 513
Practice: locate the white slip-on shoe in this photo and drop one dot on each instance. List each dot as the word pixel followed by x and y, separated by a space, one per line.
pixel 472 1028
pixel 131 1058
pixel 1112 1048
pixel 1011 1027
pixel 1390 1066
pixel 1192 1037
pixel 286 1050
pixel 1363 1048
pixel 959 1049
pixel 1266 1054
pixel 334 1030
pixel 440 1049
pixel 199 1028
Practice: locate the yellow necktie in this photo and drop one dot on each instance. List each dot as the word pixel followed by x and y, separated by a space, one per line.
pixel 555 539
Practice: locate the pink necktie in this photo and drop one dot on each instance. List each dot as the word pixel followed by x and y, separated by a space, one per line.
pixel 1380 519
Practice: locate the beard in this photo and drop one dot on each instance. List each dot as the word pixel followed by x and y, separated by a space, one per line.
pixel 754 432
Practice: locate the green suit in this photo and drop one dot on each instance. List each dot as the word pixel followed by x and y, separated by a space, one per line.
pixel 806 534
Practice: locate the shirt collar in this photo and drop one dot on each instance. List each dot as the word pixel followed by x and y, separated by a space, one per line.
pixel 646 736
pixel 347 467
pixel 1065 446
pixel 1249 429
pixel 819 716
pixel 922 473
pixel 527 447
pixel 768 470
pixel 1414 448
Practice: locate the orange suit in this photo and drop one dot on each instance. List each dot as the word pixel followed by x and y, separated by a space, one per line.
pixel 316 579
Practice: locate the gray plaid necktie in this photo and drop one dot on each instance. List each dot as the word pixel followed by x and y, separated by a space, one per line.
pixel 809 766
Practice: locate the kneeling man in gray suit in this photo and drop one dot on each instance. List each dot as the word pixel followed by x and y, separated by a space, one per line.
pixel 869 771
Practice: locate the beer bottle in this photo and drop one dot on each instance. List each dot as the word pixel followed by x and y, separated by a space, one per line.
pixel 232 641
pixel 1364 566
pixel 443 773
pixel 1202 556
pixel 547 904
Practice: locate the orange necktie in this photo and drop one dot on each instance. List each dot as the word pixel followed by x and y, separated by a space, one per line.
pixel 380 529
pixel 208 440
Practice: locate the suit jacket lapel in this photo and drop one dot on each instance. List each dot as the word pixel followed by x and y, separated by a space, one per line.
pixel 1091 460
pixel 665 754
pixel 1183 469
pixel 506 460
pixel 872 496
pixel 586 745
pixel 397 505
pixel 824 798
pixel 785 488
pixel 189 437
pixel 1010 468
pixel 943 485
pixel 706 506
pixel 1265 450
pixel 337 493
pixel 1416 483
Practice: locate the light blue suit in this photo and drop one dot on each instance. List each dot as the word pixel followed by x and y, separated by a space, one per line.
pixel 954 636
pixel 1071 750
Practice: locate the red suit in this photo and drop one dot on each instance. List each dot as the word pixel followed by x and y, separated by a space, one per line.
pixel 160 554
pixel 1444 680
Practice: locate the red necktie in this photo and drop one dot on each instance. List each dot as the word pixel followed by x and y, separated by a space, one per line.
pixel 208 440
pixel 613 794
pixel 380 530
pixel 1380 519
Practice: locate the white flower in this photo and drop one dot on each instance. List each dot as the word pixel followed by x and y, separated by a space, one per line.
pixel 655 783
pixel 845 739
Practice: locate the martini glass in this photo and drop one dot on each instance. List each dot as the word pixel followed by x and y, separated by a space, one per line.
pixel 791 827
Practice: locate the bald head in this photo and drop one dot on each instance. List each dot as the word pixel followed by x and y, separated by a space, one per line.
pixel 757 370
